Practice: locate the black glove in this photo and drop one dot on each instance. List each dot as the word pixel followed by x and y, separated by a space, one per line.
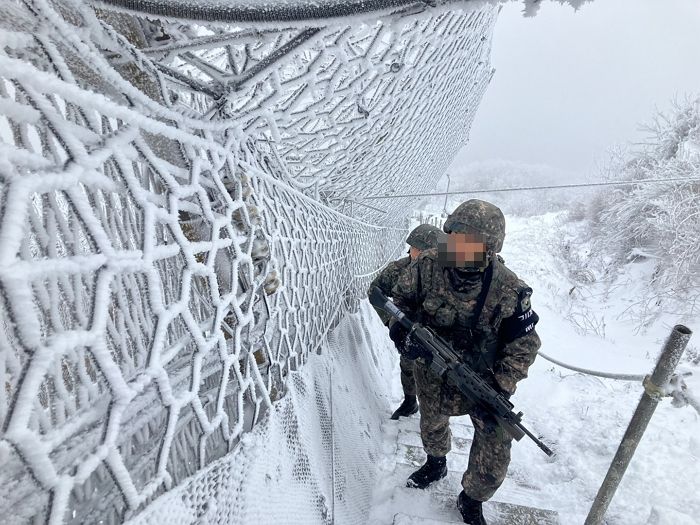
pixel 487 418
pixel 491 380
pixel 412 349
pixel 397 333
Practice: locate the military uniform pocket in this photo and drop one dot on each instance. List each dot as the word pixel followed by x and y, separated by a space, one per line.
pixel 432 304
pixel 453 402
pixel 445 316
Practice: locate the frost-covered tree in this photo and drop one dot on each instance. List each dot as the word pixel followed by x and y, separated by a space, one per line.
pixel 659 220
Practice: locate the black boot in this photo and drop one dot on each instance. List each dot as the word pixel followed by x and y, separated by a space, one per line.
pixel 407 408
pixel 434 469
pixel 470 509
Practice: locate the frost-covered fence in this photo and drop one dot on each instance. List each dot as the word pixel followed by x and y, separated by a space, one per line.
pixel 178 225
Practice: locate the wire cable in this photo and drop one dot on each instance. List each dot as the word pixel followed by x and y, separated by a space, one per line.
pixel 528 188
pixel 607 375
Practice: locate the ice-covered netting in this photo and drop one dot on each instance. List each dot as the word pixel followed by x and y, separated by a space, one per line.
pixel 315 459
pixel 169 252
pixel 349 110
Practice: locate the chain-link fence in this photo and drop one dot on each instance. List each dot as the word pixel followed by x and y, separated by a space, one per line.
pixel 178 225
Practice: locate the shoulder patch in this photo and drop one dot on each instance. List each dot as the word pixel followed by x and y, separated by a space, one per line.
pixel 523 320
pixel 524 299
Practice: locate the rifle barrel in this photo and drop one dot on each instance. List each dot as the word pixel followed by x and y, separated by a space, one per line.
pixel 544 448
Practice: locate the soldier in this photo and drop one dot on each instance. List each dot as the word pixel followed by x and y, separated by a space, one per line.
pixel 464 291
pixel 421 238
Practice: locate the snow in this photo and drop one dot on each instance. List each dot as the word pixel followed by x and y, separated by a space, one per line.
pixel 580 416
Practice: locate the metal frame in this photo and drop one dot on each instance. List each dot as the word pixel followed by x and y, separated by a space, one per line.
pixel 251 11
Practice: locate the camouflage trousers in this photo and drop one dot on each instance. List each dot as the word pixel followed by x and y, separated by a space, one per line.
pixel 489 455
pixel 407 381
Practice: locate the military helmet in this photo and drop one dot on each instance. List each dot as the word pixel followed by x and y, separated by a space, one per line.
pixel 476 216
pixel 424 237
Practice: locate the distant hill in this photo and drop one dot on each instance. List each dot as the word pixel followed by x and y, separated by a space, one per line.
pixel 499 174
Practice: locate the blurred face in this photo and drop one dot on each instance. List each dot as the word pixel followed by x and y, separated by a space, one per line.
pixel 463 250
pixel 414 253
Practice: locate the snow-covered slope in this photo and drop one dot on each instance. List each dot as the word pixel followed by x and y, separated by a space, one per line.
pixel 587 416
pixel 658 220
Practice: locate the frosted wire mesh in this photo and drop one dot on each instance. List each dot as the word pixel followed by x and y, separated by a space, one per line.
pixel 313 460
pixel 180 226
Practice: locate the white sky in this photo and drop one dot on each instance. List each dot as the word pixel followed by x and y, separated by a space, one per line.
pixel 571 85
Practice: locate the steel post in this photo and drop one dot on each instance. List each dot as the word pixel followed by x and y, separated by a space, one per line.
pixel 670 355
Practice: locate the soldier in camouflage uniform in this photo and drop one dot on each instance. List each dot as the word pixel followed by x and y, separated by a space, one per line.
pixel 464 291
pixel 423 237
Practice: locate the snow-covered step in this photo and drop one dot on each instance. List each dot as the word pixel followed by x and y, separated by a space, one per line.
pixel 412 439
pixel 413 456
pixel 461 425
pixel 519 502
pixel 405 519
pixel 409 437
pixel 408 433
pixel 495 512
pixel 512 491
pixel 434 506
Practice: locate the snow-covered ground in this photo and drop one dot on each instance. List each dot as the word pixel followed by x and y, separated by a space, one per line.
pixel 583 417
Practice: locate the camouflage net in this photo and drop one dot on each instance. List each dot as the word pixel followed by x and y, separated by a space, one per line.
pixel 180 226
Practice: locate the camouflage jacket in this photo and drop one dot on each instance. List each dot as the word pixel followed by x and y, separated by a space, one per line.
pixel 502 342
pixel 387 279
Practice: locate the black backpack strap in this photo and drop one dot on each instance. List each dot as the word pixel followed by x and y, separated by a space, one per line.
pixel 483 294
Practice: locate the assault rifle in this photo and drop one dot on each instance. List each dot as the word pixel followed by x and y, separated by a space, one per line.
pixel 447 364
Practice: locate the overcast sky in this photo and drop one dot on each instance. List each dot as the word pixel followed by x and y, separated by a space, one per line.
pixel 570 85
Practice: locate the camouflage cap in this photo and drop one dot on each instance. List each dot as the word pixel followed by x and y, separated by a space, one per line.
pixel 477 216
pixel 424 237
